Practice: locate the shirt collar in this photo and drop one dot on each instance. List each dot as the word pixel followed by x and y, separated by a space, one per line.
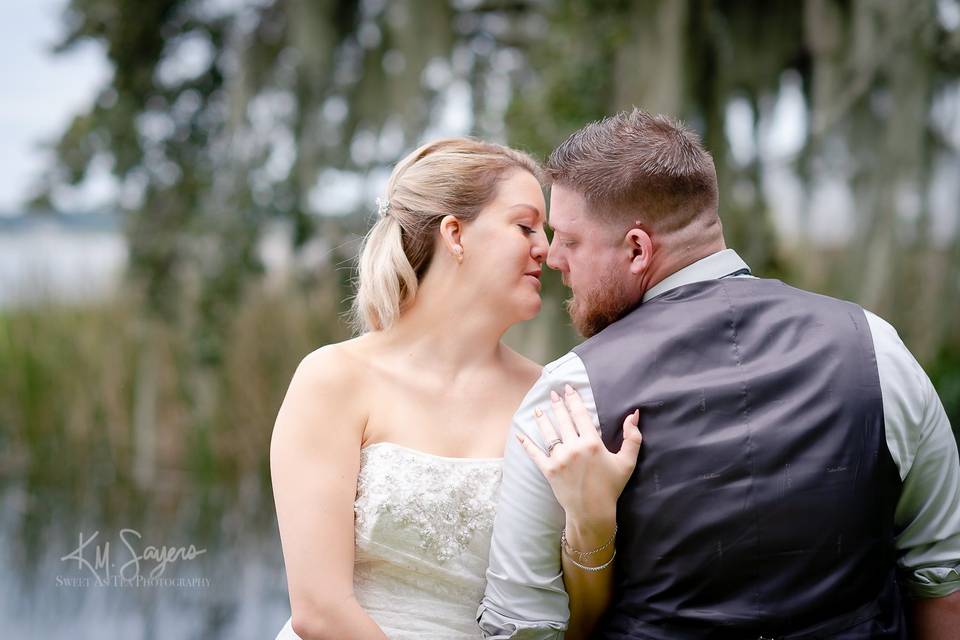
pixel 715 266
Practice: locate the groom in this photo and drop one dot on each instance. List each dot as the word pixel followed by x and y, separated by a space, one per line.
pixel 798 476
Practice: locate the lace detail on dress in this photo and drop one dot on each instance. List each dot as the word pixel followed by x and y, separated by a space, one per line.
pixel 423 525
pixel 444 500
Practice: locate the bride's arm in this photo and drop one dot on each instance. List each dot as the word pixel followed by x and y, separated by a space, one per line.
pixel 590 592
pixel 587 480
pixel 314 462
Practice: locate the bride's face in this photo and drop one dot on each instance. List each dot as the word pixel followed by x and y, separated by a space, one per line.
pixel 505 246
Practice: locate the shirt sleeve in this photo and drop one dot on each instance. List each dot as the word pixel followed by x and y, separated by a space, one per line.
pixel 525 598
pixel 923 446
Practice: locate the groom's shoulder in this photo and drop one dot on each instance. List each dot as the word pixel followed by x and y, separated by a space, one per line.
pixel 567 369
pixel 566 364
pixel 775 287
pixel 887 342
pixel 890 350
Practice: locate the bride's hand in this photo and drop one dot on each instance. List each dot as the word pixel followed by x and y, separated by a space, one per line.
pixel 586 478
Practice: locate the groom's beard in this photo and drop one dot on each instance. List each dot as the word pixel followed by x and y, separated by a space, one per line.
pixel 594 310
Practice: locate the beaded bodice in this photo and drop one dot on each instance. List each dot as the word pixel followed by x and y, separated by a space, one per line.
pixel 423 527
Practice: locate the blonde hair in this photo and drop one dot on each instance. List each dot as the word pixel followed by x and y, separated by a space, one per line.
pixel 452 176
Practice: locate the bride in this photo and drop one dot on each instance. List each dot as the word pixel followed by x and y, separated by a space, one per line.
pixel 386 454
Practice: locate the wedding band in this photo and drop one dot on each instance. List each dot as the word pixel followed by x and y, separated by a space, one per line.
pixel 551 445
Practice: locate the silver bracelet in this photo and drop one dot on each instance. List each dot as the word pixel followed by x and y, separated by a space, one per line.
pixel 593 569
pixel 583 554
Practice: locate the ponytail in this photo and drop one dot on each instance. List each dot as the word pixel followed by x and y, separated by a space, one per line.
pixel 387 279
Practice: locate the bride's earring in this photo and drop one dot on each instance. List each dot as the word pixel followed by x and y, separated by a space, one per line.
pixel 458 253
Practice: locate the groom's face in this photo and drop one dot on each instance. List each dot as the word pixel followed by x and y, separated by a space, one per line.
pixel 591 259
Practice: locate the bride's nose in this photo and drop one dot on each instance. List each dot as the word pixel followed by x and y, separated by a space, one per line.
pixel 539 249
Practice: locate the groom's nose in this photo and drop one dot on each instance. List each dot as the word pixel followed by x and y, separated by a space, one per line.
pixel 553 260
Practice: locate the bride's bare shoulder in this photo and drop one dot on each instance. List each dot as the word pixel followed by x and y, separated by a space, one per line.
pixel 324 390
pixel 337 365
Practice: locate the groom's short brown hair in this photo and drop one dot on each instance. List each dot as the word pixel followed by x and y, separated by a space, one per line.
pixel 635 164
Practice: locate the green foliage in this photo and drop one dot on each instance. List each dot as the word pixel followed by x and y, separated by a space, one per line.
pixel 569 82
pixel 77 379
pixel 944 372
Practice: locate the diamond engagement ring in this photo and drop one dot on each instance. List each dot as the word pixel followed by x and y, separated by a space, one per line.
pixel 551 445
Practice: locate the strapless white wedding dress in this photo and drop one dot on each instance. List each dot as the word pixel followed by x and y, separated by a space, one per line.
pixel 423 525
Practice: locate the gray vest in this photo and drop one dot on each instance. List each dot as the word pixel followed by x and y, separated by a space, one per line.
pixel 762 503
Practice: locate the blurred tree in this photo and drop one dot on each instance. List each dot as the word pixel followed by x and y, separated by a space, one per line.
pixel 220 118
pixel 686 59
pixel 876 77
pixel 217 120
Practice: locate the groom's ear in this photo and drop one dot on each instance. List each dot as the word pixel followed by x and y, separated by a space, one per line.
pixel 641 250
pixel 450 229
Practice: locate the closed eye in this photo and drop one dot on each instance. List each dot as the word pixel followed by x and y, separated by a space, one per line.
pixel 526 230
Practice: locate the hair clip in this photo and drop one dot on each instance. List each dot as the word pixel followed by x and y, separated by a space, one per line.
pixel 383 205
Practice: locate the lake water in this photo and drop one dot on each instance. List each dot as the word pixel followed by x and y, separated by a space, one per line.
pixel 51 586
pixel 76 258
pixel 231 584
pixel 46 260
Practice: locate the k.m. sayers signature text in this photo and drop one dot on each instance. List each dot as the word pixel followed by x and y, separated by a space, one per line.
pixel 104 569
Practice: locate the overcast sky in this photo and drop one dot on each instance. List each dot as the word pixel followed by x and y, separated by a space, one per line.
pixel 39 91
